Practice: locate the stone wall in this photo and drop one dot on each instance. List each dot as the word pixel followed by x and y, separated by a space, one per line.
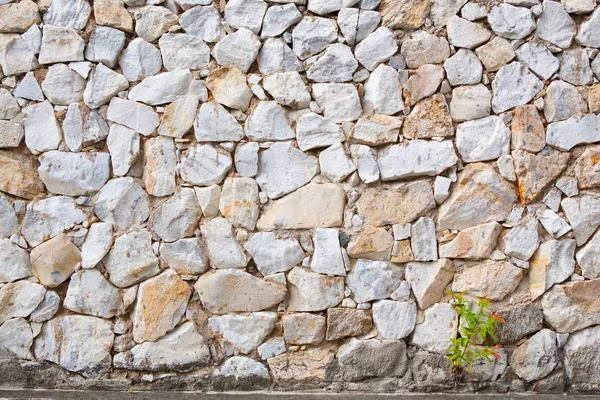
pixel 253 194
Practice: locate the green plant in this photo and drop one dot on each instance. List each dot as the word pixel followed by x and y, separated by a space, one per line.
pixel 476 322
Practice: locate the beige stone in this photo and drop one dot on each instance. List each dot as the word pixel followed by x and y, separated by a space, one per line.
pixel 594 98
pixel 495 54
pixel 114 14
pixel 312 206
pixel 310 366
pixel 491 279
pixel 303 328
pixel 161 302
pixel 535 172
pixel 429 118
pixel 231 290
pixel 423 83
pixel 572 306
pixel 18 175
pixel 346 322
pixel 239 202
pixel 528 131
pixel 399 204
pixel 404 14
pixel 428 280
pixel 474 243
pixel 479 196
pixel 587 168
pixel 552 263
pixel 18 17
pixel 372 243
pixel 402 252
pixel 54 261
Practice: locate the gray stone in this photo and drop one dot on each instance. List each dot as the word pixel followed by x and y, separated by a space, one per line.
pixel 575 67
pixel 346 322
pixel 62 85
pixel 214 124
pixel 376 48
pixel 152 21
pixel 314 131
pixel 586 36
pixel 522 241
pixel 555 25
pixel 514 85
pixel 359 359
pixel 177 217
pixel 537 357
pixel 278 19
pixel 15 55
pixel 463 68
pixel 276 56
pixel 105 45
pixel 562 101
pixel 373 280
pixel 581 357
pixel 337 64
pixel 582 214
pixel 186 256
pixel 16 339
pixel 421 48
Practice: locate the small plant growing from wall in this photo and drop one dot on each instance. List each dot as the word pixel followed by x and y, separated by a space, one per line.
pixel 477 324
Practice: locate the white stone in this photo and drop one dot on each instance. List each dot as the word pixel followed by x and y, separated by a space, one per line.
pixel 335 164
pixel 314 131
pixel 511 22
pixel 77 343
pixel 15 55
pixel 242 368
pixel 245 333
pixel 587 31
pixel 513 86
pixel 582 213
pixel 203 22
pixel 463 68
pixel 74 174
pixel 394 319
pixel 240 202
pixel 63 86
pixel 562 101
pixel 139 117
pixel 139 60
pixel 579 6
pixel 162 88
pixel 366 162
pixel 339 101
pixel 555 25
pixel 537 357
pixel 182 349
pixel 123 203
pixel 476 242
pixel 246 159
pixel 376 48
pixel 238 49
pixel 441 189
pixel 276 56
pixel 33 38
pixel 422 240
pixel 575 67
pixel 303 328
pixel 90 293
pixel 16 339
pixel 552 263
pixel 11 134
pixel 224 250
pixel 283 169
pixel 105 45
pixel 159 166
pixel 337 64
pixel 383 91
pixel 271 348
pixel 208 198
pixel 229 87
pixel 278 19
pixel 272 254
pixel 151 22
pixel 327 258
pixel 309 291
pixel 535 55
pixel 373 280
pixel 60 45
pixel 554 225
pixel 313 34
pixel 20 299
pixel 421 48
pixel 215 124
pixel 470 102
pixel 587 258
pixel 47 308
pixel 417 158
pixel 356 24
pixel 268 122
pixel 186 256
pixel 124 147
pixel 440 325
pixel 97 243
pixel 131 259
pixel 103 84
pixel 467 34
pixel 177 217
pixel 204 165
pixel 577 130
pixel 441 10
pixel 288 89
pixel 49 217
pixel 522 241
pixel 183 51
pixel 9 107
pixel 483 139
pixel 473 11
pixel 14 262
pixel 42 132
pixel 245 14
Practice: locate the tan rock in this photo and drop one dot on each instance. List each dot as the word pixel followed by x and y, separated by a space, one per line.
pixel 594 98
pixel 552 263
pixel 423 83
pixel 54 261
pixel 474 243
pixel 399 204
pixel 404 14
pixel 491 279
pixel 372 243
pixel 303 328
pixel 312 206
pixel 161 302
pixel 428 280
pixel 18 175
pixel 229 88
pixel 495 54
pixel 429 118
pixel 18 17
pixel 114 14
pixel 346 322
pixel 310 366
pixel 402 252
pixel 528 131
pixel 587 168
pixel 572 306
pixel 239 202
pixel 479 196
pixel 535 172
pixel 231 290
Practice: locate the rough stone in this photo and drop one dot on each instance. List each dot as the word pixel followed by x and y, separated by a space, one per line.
pixel 74 174
pixel 514 85
pixel 123 203
pixel 429 280
pixel 58 214
pixel 131 260
pixel 14 262
pixel 19 299
pixel 310 291
pixel 359 359
pixel 537 357
pixel 373 280
pixel 555 25
pixel 303 328
pixel 552 263
pixel 203 22
pixel 421 48
pixel 90 293
pixel 490 279
pixel 470 102
pixel 288 89
pixel 54 261
pixel 439 326
pixel 347 322
pixel 536 56
pixel 476 242
pixel 393 319
pixel 327 258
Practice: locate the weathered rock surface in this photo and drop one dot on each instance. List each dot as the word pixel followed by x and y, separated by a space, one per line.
pixel 309 291
pixel 429 280
pixel 491 279
pixel 245 333
pixel 373 280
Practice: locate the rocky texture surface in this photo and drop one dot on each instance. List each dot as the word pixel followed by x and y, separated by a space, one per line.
pixel 255 194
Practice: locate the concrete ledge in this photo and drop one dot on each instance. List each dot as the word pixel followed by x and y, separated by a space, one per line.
pixel 9 394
